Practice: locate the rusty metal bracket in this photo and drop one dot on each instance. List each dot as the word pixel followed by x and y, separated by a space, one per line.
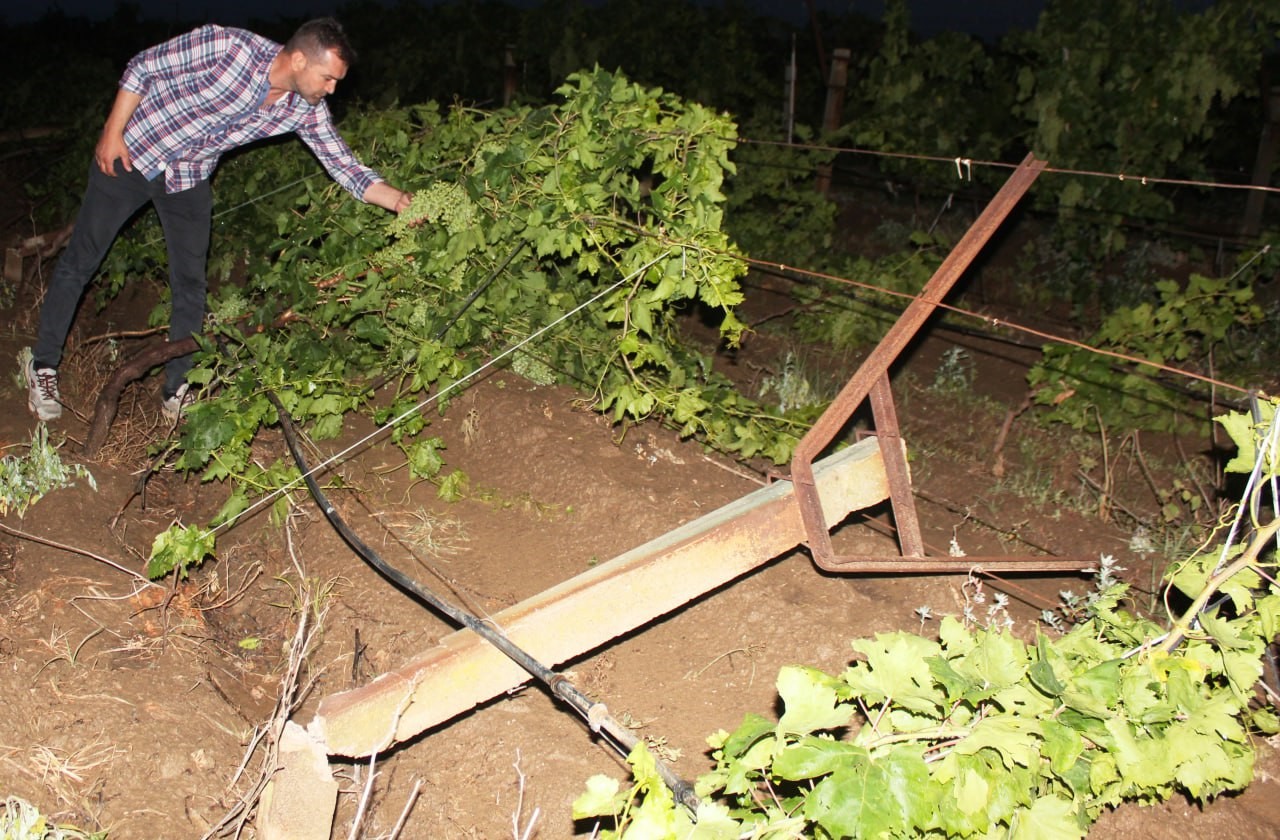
pixel 872 380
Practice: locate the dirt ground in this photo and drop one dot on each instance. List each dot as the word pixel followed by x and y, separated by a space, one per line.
pixel 129 707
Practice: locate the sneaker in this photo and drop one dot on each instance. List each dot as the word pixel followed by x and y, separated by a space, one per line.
pixel 42 392
pixel 175 405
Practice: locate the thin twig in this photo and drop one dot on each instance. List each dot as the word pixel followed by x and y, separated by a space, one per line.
pixel 252 574
pixel 408 806
pixel 288 697
pixel 364 799
pixel 527 832
pixel 83 552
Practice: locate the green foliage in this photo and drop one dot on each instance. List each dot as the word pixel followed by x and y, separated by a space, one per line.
pixel 609 202
pixel 25 479
pixel 1095 86
pixel 981 734
pixel 1248 432
pixel 848 317
pixel 946 96
pixel 772 209
pixel 1186 328
pixel 1100 88
pixel 179 549
pixel 20 820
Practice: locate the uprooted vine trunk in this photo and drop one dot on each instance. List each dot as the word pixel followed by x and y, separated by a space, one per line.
pixel 108 402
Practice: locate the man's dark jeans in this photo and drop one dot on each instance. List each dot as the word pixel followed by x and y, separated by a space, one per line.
pixel 109 202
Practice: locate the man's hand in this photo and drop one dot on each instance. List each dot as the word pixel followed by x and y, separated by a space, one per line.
pixel 384 195
pixel 111 147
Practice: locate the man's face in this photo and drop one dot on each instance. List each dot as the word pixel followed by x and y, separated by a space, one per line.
pixel 315 78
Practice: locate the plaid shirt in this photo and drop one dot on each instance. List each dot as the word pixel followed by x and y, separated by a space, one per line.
pixel 204 93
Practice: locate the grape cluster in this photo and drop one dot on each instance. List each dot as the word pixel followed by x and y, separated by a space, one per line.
pixel 533 369
pixel 444 203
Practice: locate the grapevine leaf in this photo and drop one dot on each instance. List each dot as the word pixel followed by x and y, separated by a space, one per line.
pixel 1096 691
pixel 810 700
pixel 971 792
pixel 848 804
pixel 908 785
pixel 714 823
pixel 1149 763
pixel 1063 745
pixel 601 799
pixel 1214 767
pixel 453 487
pixel 327 426
pixel 1009 736
pixel 424 457
pixel 897 666
pixel 1265 721
pixel 1223 632
pixel 1240 427
pixel 752 729
pixel 371 330
pixel 237 502
pixel 1049 818
pixel 179 548
pixel 996 660
pixel 1041 671
pixel 811 757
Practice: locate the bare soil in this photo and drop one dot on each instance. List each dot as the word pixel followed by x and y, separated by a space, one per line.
pixel 129 707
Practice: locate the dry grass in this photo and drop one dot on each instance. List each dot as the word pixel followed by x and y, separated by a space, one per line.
pixel 72 776
pixel 432 534
pixel 312 599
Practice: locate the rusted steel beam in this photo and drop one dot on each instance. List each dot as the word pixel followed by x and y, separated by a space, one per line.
pixel 898 474
pixel 923 565
pixel 598 605
pixel 872 379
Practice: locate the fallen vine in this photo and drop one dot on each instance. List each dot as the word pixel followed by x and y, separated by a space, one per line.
pixel 519 217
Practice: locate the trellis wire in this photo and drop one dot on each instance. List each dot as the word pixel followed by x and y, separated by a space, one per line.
pixel 1268 443
pixel 393 422
pixel 959 162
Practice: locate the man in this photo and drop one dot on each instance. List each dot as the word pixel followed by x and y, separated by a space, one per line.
pixel 180 106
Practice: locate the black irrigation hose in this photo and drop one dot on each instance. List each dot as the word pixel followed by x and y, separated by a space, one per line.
pixel 466 304
pixel 596 714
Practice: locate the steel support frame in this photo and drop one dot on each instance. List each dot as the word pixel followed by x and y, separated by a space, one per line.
pixel 871 380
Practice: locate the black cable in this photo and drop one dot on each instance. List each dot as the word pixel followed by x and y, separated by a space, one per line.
pixel 596 714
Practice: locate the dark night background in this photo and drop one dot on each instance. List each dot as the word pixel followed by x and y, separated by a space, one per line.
pixel 986 19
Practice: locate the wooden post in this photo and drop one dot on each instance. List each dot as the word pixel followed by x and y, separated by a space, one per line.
pixel 834 112
pixel 789 96
pixel 1265 162
pixel 509 75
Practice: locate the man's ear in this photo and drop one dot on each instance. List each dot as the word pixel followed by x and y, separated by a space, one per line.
pixel 298 61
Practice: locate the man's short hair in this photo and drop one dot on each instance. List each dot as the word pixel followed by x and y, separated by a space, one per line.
pixel 314 37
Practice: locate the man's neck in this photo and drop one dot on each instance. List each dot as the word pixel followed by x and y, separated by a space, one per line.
pixel 280 78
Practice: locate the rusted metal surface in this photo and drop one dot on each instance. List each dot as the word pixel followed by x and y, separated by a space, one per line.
pixel 589 610
pixel 897 473
pixel 1003 563
pixel 872 380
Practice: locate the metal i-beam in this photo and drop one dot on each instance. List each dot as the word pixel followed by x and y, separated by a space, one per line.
pixel 587 611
